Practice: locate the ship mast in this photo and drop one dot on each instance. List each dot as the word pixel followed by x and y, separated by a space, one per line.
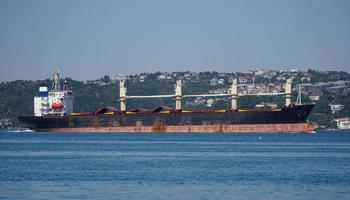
pixel 288 92
pixel 122 95
pixel 234 94
pixel 56 81
pixel 178 95
pixel 298 102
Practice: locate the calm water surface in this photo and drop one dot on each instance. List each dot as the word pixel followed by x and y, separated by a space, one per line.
pixel 174 166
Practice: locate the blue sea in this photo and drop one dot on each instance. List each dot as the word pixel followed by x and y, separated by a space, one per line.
pixel 174 166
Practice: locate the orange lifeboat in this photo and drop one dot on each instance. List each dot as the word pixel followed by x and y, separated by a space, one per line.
pixel 57 105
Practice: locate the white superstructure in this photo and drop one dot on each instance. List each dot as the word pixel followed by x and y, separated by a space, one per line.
pixel 343 123
pixel 57 102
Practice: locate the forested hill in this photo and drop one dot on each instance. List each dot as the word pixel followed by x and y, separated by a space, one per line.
pixel 16 97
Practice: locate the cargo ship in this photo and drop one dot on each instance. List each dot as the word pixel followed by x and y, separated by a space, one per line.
pixel 53 112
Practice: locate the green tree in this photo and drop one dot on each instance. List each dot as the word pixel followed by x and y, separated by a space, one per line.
pixel 322 114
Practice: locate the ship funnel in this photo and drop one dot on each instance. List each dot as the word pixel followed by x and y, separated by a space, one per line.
pixel 43 91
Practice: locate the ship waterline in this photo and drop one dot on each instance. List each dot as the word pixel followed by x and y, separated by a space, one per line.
pixel 221 128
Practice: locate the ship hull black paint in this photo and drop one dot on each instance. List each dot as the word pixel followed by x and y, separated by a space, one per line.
pixel 295 114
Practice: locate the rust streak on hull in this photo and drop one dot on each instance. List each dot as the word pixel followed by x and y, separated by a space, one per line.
pixel 220 128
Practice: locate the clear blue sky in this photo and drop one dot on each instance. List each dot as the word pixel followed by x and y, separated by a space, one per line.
pixel 87 39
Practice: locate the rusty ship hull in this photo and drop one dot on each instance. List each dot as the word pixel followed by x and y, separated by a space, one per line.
pixel 285 120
